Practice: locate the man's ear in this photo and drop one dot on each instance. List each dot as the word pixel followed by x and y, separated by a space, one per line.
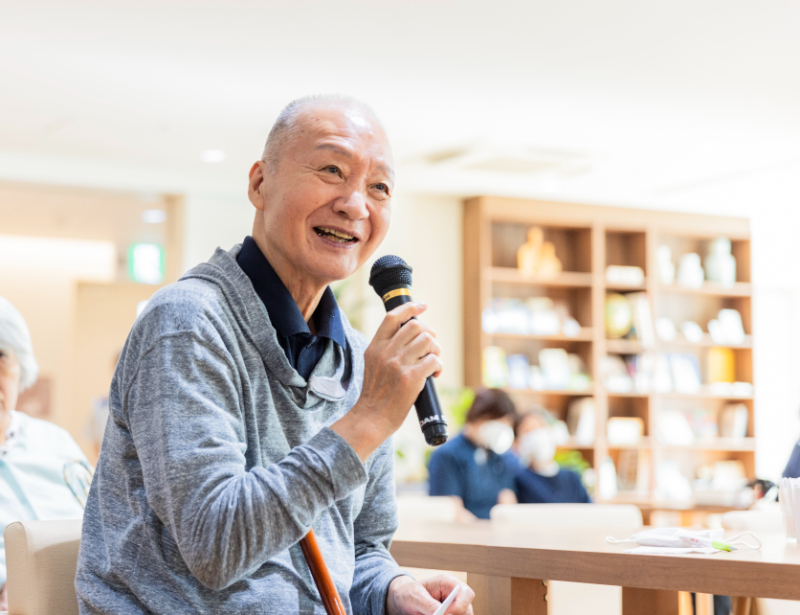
pixel 254 188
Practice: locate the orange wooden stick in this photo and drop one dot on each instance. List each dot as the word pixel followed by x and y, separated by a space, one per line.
pixel 322 576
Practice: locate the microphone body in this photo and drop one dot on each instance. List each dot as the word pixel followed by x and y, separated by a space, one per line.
pixel 391 279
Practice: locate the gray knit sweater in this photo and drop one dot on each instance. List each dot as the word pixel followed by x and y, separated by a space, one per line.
pixel 217 459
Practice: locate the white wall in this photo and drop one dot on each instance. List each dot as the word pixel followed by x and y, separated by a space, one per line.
pixel 214 221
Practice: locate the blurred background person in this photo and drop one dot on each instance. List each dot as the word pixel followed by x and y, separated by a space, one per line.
pixel 539 479
pixel 476 466
pixel 43 473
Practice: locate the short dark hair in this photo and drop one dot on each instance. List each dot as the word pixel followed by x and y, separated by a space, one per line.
pixel 490 404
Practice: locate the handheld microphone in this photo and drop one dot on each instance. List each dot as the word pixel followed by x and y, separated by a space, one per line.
pixel 391 278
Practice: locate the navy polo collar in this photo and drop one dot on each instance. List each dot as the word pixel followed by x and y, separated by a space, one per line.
pixel 283 312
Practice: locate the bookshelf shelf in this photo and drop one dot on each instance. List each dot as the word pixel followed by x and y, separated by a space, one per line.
pixel 572 444
pixel 588 239
pixel 739 289
pixel 624 346
pixel 706 342
pixel 511 275
pixel 623 288
pixel 552 392
pixel 717 444
pixel 643 443
pixel 703 395
pixel 585 335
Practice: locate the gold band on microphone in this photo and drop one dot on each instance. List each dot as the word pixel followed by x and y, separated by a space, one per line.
pixel 396 293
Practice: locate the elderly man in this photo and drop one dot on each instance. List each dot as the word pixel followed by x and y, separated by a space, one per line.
pixel 245 409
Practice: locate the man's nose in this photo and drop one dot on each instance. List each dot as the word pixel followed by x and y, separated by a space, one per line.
pixel 353 205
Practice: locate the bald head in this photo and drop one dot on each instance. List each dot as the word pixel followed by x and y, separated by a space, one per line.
pixel 294 116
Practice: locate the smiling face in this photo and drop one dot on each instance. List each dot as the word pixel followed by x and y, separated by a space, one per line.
pixel 325 208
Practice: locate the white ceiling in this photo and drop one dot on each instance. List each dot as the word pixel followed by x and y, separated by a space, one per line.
pixel 664 97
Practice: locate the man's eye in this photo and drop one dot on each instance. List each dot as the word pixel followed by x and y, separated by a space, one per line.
pixel 383 188
pixel 333 169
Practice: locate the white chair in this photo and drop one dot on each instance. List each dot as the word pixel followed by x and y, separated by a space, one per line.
pixel 575 598
pixel 612 516
pixel 41 559
pixel 428 508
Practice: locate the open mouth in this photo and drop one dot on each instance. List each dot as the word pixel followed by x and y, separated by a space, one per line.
pixel 334 235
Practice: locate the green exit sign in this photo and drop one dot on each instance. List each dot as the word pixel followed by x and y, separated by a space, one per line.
pixel 146 263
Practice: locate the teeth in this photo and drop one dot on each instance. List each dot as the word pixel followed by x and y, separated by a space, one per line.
pixel 338 234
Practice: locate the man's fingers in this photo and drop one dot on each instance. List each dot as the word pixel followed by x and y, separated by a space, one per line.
pixel 429 366
pixel 397 317
pixel 420 347
pixel 424 602
pixel 461 605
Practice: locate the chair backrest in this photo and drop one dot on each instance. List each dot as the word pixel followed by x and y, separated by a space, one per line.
pixel 429 508
pixel 41 559
pixel 612 516
pixel 768 520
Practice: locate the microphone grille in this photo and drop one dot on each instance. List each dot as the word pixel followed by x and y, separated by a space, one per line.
pixel 389 271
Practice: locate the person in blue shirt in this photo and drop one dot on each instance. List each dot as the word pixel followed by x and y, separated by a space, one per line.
pixel 475 467
pixel 539 480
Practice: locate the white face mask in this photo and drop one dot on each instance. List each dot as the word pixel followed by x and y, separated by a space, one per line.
pixel 537 447
pixel 495 436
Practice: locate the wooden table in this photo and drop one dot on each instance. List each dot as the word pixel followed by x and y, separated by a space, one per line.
pixel 507 566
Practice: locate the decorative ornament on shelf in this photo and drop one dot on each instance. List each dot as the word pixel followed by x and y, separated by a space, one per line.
pixel 581 420
pixel 666 330
pixel 537 257
pixel 727 328
pixel 619 315
pixel 495 369
pixel 624 276
pixel 720 365
pixel 692 332
pixel 666 268
pixel 720 263
pixel 690 271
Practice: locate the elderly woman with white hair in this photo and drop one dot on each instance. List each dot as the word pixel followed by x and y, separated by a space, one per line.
pixel 43 473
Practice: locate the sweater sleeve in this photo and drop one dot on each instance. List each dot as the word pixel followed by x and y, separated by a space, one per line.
pixel 182 412
pixel 374 527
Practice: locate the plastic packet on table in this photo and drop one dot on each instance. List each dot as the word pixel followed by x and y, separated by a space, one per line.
pixel 666 537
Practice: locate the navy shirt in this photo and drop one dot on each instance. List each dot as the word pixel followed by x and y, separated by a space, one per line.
pixel 303 349
pixel 563 488
pixel 792 469
pixel 476 475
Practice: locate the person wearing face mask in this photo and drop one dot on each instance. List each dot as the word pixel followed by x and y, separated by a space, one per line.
pixel 539 479
pixel 476 466
pixel 43 472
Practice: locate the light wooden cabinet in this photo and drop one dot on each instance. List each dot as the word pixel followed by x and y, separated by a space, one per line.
pixel 587 239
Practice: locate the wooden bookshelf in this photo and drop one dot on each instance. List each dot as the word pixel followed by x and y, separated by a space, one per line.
pixel 587 240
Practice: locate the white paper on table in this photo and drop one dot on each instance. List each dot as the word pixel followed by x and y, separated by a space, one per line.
pixel 672 550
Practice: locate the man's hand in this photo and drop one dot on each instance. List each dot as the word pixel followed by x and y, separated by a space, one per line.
pixel 396 365
pixel 409 597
